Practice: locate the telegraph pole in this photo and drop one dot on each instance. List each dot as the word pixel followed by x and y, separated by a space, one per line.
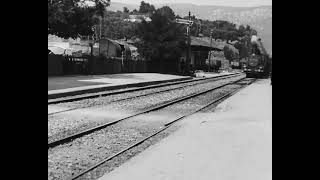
pixel 100 27
pixel 100 31
pixel 188 50
pixel 189 46
pixel 209 55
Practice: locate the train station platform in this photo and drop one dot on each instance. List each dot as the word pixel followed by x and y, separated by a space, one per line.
pixel 234 142
pixel 75 85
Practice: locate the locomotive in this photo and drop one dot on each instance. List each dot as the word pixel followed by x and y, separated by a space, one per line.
pixel 258 63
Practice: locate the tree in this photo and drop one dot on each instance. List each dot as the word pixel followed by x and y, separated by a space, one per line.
pixel 162 39
pixel 248 28
pixel 221 29
pixel 230 52
pixel 115 27
pixel 243 47
pixel 194 26
pixel 241 30
pixel 134 11
pixel 146 8
pixel 244 44
pixel 74 18
pixel 167 11
pixel 254 32
pixel 125 10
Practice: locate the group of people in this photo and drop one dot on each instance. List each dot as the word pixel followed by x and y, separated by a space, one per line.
pixel 183 68
pixel 271 71
pixel 213 68
pixel 271 76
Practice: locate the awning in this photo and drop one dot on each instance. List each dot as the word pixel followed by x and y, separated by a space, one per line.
pixel 57 50
pixel 201 45
pixel 63 51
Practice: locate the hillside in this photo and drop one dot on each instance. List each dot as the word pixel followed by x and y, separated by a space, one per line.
pixel 258 17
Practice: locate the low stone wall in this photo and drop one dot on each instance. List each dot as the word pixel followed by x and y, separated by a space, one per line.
pixel 61 65
pixel 55 67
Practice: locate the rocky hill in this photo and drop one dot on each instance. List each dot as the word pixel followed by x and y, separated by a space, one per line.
pixel 258 17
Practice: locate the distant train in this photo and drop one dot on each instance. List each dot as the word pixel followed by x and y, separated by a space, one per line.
pixel 235 64
pixel 258 63
pixel 256 66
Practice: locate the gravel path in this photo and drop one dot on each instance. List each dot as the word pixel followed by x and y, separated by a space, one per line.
pixel 64 160
pixel 64 124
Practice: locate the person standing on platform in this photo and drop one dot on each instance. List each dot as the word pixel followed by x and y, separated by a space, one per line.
pixel 182 66
pixel 271 71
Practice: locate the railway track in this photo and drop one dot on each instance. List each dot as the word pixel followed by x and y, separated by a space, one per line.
pixel 163 128
pixel 160 106
pixel 101 94
pixel 201 81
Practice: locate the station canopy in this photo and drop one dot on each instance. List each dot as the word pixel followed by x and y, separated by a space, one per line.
pixel 200 45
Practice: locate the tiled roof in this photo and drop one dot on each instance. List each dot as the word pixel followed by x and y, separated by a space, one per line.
pixel 200 42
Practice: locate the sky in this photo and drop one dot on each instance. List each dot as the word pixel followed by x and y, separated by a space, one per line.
pixel 235 3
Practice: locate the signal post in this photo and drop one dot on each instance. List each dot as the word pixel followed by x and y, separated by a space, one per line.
pixel 189 24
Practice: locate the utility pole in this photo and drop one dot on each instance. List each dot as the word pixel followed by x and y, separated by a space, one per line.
pixel 100 32
pixel 199 28
pixel 100 27
pixel 122 66
pixel 209 55
pixel 188 44
pixel 188 50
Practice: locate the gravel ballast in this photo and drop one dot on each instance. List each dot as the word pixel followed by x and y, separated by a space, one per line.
pixel 83 152
pixel 64 124
pixel 106 99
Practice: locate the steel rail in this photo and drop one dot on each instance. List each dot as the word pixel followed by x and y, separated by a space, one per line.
pixel 163 105
pixel 94 95
pixel 166 126
pixel 161 91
